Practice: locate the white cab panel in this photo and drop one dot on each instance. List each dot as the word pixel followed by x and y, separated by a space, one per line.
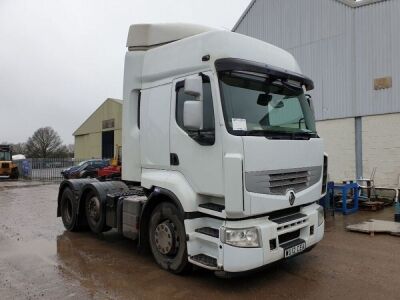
pixel 264 154
pixel 233 170
pixel 154 131
pixel 176 183
pixel 130 131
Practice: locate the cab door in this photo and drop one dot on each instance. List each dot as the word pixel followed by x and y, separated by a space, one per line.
pixel 197 155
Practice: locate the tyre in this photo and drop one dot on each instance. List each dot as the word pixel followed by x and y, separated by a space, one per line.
pixel 14 173
pixel 95 213
pixel 167 238
pixel 68 213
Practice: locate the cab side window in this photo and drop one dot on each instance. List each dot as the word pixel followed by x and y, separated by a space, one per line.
pixel 208 111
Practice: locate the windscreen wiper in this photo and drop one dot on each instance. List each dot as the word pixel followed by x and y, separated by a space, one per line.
pixel 310 134
pixel 279 135
pixel 273 134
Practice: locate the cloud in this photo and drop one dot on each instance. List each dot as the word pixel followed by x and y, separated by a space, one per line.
pixel 59 60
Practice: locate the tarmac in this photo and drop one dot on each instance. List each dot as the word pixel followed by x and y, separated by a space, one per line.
pixel 40 260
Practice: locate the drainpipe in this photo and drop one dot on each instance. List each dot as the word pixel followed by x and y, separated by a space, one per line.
pixel 358 141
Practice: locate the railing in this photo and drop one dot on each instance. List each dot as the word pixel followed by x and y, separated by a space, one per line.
pixel 44 169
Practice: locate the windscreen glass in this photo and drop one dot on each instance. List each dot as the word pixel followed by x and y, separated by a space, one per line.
pixel 256 103
pixel 5 156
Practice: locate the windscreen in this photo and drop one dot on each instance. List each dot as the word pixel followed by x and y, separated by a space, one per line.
pixel 255 103
pixel 5 156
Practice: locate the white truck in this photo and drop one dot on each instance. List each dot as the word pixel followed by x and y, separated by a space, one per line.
pixel 222 166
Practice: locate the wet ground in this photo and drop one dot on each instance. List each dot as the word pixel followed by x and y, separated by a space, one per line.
pixel 39 260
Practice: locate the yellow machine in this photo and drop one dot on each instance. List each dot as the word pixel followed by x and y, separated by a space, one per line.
pixel 7 167
pixel 116 161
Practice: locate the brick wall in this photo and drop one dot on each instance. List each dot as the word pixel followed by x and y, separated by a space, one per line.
pixel 381 148
pixel 339 143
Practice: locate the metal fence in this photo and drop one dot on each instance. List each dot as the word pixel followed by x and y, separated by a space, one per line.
pixel 44 169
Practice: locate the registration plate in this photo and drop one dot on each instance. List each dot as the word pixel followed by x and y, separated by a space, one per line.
pixel 295 249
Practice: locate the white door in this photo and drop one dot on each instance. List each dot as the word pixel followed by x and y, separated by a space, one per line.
pixel 198 156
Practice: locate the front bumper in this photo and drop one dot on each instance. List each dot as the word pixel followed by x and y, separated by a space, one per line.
pixel 5 172
pixel 235 259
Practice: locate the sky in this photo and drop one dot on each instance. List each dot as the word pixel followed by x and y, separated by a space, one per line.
pixel 60 59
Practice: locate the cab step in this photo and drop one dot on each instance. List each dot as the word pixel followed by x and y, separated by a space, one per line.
pixel 213 206
pixel 205 261
pixel 213 232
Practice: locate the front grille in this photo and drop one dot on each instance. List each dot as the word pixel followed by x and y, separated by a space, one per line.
pixel 289 218
pixel 278 182
pixel 283 238
pixel 284 212
pixel 281 182
pixel 5 165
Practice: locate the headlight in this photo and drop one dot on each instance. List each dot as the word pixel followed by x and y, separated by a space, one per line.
pixel 320 215
pixel 243 237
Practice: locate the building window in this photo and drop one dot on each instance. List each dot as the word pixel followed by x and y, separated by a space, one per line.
pixel 107 124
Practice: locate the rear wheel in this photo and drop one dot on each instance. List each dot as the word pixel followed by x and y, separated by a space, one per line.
pixel 168 238
pixel 95 213
pixel 68 213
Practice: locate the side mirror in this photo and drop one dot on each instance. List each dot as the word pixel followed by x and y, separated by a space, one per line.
pixel 193 115
pixel 194 87
pixel 193 110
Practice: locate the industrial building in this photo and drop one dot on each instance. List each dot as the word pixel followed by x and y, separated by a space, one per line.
pixel 351 51
pixel 98 136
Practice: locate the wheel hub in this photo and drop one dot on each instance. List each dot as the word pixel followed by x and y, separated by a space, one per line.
pixel 94 208
pixel 164 237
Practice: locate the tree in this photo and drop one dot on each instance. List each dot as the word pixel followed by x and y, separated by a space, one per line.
pixel 45 142
pixel 19 148
pixel 71 149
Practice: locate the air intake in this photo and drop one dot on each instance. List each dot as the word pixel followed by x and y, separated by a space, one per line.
pixel 278 182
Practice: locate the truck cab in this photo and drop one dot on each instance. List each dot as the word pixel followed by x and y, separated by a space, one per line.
pixel 220 150
pixel 8 169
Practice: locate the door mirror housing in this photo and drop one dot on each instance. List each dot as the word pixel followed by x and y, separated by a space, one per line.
pixel 193 110
pixel 193 115
pixel 194 87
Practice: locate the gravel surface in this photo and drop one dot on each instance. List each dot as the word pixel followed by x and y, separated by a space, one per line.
pixel 40 260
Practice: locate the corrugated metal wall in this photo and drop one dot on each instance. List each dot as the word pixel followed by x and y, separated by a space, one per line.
pixel 377 46
pixel 342 48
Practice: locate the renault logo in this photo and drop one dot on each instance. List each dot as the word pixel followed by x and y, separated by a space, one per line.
pixel 292 197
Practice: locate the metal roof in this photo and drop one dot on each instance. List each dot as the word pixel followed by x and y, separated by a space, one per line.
pixel 345 50
pixel 351 3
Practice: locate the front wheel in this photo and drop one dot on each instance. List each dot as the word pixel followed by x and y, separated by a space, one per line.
pixel 168 238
